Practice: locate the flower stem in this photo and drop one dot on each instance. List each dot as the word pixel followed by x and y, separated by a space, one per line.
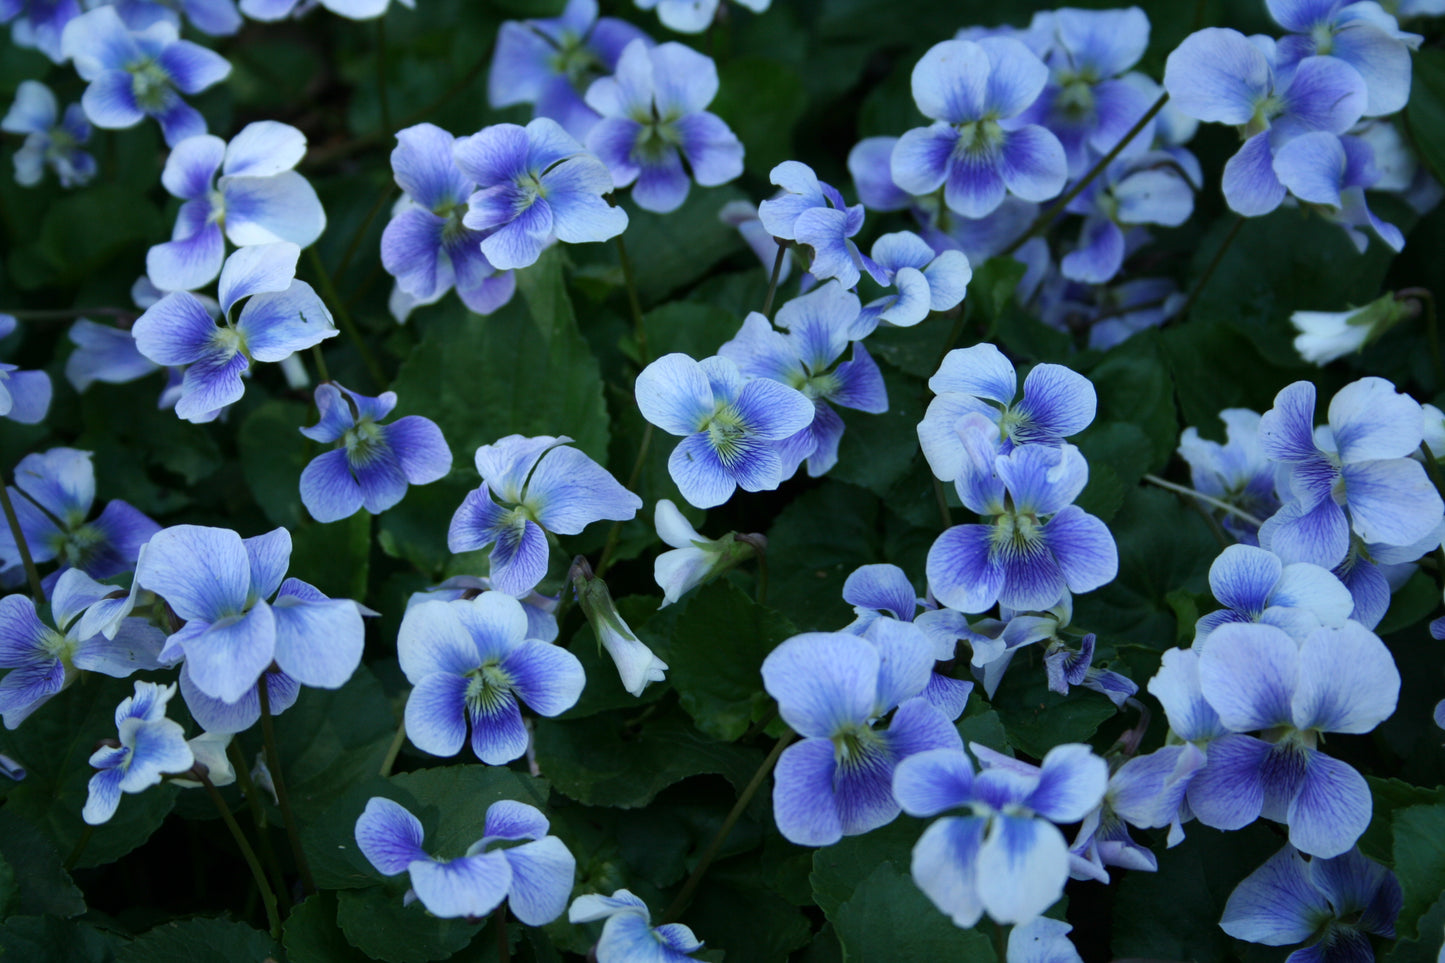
pixel 273 762
pixel 381 92
pixel 1213 266
pixel 394 750
pixel 1042 222
pixel 749 791
pixel 1432 329
pixel 79 847
pixel 615 533
pixel 773 281
pixel 268 897
pixel 343 318
pixel 504 948
pixel 322 374
pixel 941 496
pixel 70 314
pixel 258 817
pixel 23 547
pixel 1207 499
pixel 638 327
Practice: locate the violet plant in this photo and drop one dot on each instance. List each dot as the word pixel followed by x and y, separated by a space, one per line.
pixel 1045 564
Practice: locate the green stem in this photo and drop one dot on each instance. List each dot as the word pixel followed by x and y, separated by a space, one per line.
pixel 268 897
pixel 941 496
pixel 683 895
pixel 381 91
pixel 773 281
pixel 322 373
pixel 761 553
pixel 614 534
pixel 31 574
pixel 258 818
pixel 273 762
pixel 354 244
pixel 960 318
pixel 394 750
pixel 1207 499
pixel 1432 330
pixel 1213 266
pixel 79 847
pixel 504 948
pixel 1042 222
pixel 69 314
pixel 343 317
pixel 638 326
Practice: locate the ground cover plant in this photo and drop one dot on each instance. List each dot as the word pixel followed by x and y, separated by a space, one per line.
pixel 824 480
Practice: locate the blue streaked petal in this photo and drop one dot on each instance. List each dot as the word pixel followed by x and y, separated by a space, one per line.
pixel 803 802
pixel 1332 808
pixel 471 886
pixel 542 874
pixel 436 716
pixel 1027 863
pixel 389 836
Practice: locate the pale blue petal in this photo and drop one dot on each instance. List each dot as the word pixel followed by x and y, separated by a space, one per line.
pixel 471 886
pixel 389 836
pixel 542 874
pixel 203 573
pixel 1027 863
pixel 823 681
pixel 803 793
pixel 436 719
pixel 1276 905
pixel 1331 809
pixel 945 867
pixel 1347 681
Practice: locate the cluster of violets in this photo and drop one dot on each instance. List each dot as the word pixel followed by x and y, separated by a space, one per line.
pixel 1024 126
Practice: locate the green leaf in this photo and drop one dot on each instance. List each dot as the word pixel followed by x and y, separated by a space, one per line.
pixel 888 919
pixel 454 801
pixel 761 100
pixel 48 939
pixel 717 656
pixel 375 922
pixel 877 451
pixel 9 889
pixel 604 760
pixel 273 455
pixel 1118 453
pixel 604 686
pixel 981 723
pixel 213 940
pixel 1134 386
pixel 335 557
pixel 330 739
pixel 1425 113
pixel 1284 262
pixel 1390 796
pixel 480 379
pixel 1419 862
pixel 690 327
pixel 312 934
pixel 1427 948
pixel 839 870
pixel 774 928
pixel 42 887
pixel 1163 546
pixel 1036 719
pixel 55 745
pixel 82 233
pixel 1174 914
pixel 1411 603
pixel 670 251
pixel 813 546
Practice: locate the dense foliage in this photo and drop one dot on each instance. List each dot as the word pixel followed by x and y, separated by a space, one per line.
pixel 824 480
